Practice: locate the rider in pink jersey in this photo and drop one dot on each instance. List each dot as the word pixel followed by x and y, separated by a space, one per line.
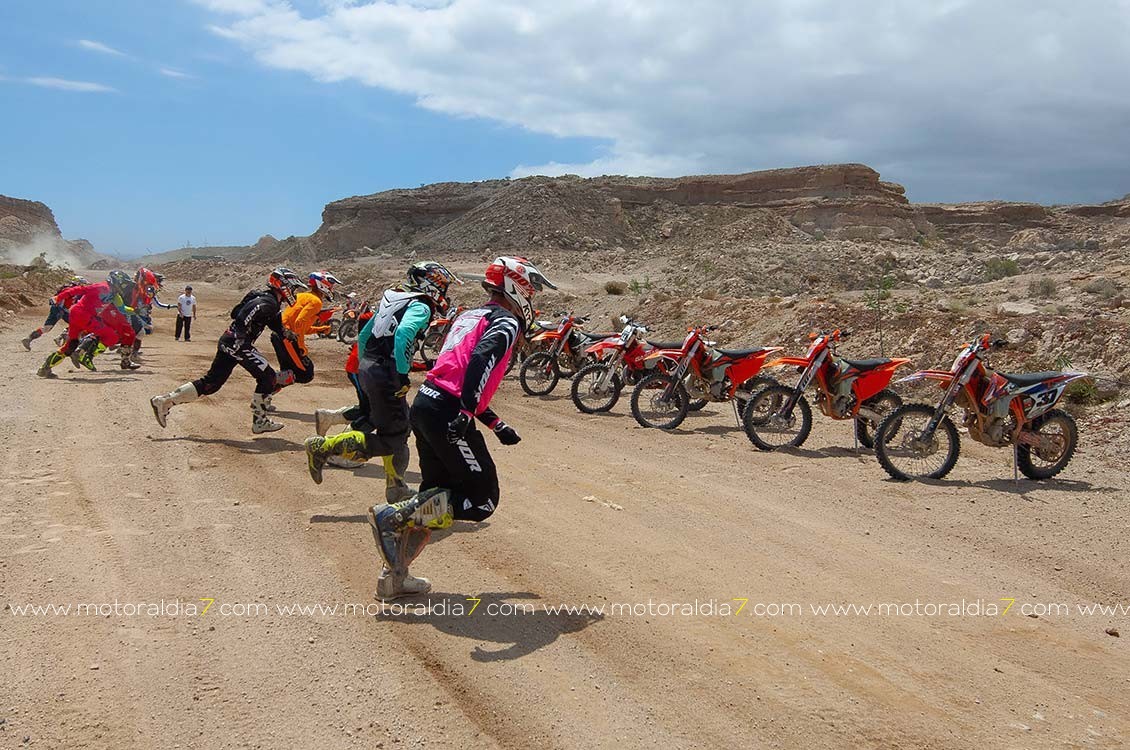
pixel 459 479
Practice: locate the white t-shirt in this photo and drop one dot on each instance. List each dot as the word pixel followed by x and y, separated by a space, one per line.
pixel 185 305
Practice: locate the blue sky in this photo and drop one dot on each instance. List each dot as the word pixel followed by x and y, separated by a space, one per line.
pixel 235 151
pixel 146 124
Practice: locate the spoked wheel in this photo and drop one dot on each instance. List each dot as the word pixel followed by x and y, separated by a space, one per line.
pixel 882 403
pixel 539 374
pixel 347 331
pixel 433 342
pixel 659 401
pixel 1057 436
pixel 335 326
pixel 905 452
pixel 588 394
pixel 768 427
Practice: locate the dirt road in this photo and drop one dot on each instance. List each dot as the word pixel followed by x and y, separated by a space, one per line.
pixel 103 506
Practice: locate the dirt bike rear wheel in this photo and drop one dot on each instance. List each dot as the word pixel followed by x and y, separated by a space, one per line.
pixel 335 326
pixel 347 331
pixel 1059 427
pixel 767 428
pixel 901 452
pixel 660 402
pixel 539 374
pixel 583 389
pixel 884 402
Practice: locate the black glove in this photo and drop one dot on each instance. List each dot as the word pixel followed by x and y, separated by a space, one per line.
pixel 507 435
pixel 457 428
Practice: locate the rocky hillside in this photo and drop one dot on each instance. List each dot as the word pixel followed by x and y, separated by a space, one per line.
pixel 28 230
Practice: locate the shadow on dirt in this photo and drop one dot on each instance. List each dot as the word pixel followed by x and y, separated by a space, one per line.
pixel 96 380
pixel 257 446
pixel 1023 487
pixel 518 627
pixel 374 469
pixel 296 415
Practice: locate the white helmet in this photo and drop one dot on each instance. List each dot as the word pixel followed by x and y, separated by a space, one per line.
pixel 324 282
pixel 518 280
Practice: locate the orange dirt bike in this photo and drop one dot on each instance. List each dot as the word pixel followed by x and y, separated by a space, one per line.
pixel 432 342
pixel 622 360
pixel 701 372
pixel 919 441
pixel 560 353
pixel 327 316
pixel 350 324
pixel 779 416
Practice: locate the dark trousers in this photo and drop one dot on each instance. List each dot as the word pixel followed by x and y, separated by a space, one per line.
pixel 186 324
pixel 387 419
pixel 230 353
pixel 465 468
pixel 291 358
pixel 358 416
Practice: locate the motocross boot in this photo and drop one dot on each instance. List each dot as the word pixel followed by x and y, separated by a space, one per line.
pixel 393 585
pixel 349 445
pixel 164 403
pixel 396 489
pixel 45 370
pixel 260 422
pixel 324 419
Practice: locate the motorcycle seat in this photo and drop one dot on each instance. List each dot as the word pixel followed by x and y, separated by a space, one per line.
pixel 1029 378
pixel 739 352
pixel 868 364
pixel 597 336
pixel 666 344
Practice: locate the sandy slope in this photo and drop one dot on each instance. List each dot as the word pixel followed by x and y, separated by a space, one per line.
pixel 103 505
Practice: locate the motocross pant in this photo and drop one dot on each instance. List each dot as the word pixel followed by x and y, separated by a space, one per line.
pixel 358 415
pixel 230 352
pixel 387 429
pixel 54 314
pixel 83 322
pixel 464 468
pixel 292 358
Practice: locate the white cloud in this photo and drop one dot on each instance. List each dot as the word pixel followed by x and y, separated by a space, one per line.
pixel 105 49
pixel 64 84
pixel 174 73
pixel 1014 98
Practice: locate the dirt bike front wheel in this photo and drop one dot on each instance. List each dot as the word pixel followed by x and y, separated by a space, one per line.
pixel 882 403
pixel 1058 438
pixel 588 396
pixel 539 374
pixel 768 427
pixel 905 452
pixel 659 401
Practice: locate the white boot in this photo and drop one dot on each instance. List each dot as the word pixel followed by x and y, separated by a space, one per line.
pixel 164 403
pixel 394 585
pixel 260 422
pixel 324 419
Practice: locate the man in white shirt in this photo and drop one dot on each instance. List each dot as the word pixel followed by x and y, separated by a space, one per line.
pixel 186 313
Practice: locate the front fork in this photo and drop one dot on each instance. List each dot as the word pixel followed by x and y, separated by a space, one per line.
pixel 610 372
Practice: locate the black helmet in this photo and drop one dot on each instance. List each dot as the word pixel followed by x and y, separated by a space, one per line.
pixel 285 281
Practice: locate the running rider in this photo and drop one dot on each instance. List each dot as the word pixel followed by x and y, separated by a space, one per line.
pixel 459 479
pixel 55 312
pixel 386 345
pixel 98 318
pixel 295 365
pixel 260 309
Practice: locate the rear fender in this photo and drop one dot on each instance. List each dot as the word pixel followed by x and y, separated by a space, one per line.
pixel 944 377
pixel 547 336
pixel 601 348
pixel 788 361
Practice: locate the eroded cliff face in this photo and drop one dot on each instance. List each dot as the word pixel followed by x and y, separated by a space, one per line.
pixel 844 200
pixel 28 230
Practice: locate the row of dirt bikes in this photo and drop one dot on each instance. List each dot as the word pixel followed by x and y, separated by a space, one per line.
pixel 670 379
pixel 911 441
